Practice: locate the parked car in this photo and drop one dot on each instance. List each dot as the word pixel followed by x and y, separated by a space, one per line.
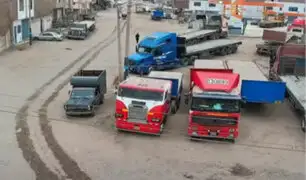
pixel 49 36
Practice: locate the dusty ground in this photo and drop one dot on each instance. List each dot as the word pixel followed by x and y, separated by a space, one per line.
pixel 270 146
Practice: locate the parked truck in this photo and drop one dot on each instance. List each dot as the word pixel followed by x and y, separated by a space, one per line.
pixel 166 50
pixel 272 40
pixel 143 105
pixel 81 29
pixel 214 27
pixel 218 89
pixel 288 66
pixel 157 14
pixel 176 89
pixel 88 89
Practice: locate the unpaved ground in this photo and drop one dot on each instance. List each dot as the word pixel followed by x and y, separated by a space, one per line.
pixel 270 146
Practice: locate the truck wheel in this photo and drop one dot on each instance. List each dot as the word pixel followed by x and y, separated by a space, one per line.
pixel 173 107
pixel 223 51
pixel 234 49
pixel 303 124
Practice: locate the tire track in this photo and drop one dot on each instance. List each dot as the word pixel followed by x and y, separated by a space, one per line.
pixel 24 141
pixel 69 165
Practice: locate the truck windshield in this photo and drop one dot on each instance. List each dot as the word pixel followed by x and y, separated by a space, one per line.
pixel 78 26
pixel 143 49
pixel 141 94
pixel 215 105
pixel 82 93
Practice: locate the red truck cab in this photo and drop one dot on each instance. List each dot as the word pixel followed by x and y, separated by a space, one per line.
pixel 142 105
pixel 298 26
pixel 215 104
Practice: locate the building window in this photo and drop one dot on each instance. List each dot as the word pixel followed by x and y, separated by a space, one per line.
pixel 197 4
pixel 21 5
pixel 293 9
pixel 211 5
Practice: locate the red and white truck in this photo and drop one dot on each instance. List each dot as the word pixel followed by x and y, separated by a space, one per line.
pixel 143 104
pixel 298 26
pixel 215 101
pixel 218 89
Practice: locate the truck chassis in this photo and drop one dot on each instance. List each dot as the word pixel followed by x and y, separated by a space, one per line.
pixel 196 37
pixel 207 49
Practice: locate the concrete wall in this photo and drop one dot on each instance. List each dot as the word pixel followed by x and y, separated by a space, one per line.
pixel 5 41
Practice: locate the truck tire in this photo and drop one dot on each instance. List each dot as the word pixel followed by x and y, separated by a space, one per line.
pixel 173 107
pixel 223 51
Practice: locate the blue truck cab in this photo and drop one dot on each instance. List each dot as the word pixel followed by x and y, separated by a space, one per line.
pixel 156 51
pixel 177 86
pixel 157 14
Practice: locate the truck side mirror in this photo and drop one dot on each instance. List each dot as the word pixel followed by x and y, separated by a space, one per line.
pixel 116 91
pixel 69 92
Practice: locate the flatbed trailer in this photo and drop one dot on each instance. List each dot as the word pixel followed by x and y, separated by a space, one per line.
pixel 254 86
pixel 210 48
pixel 296 94
pixel 195 37
pixel 288 66
pixel 271 24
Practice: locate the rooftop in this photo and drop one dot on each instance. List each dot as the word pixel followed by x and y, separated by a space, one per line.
pixel 146 83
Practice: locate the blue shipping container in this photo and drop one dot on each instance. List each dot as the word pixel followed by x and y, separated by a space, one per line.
pixel 263 91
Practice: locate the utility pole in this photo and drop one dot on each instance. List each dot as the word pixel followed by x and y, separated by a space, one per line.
pixel 30 5
pixel 120 67
pixel 128 27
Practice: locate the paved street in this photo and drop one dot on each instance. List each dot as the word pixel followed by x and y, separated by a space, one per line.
pixel 38 141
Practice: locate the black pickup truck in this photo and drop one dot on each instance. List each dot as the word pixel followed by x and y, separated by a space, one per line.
pixel 88 89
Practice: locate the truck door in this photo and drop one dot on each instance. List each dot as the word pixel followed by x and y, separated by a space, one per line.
pixel 159 57
pixel 168 102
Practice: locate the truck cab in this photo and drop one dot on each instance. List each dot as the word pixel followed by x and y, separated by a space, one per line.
pixel 157 50
pixel 215 103
pixel 298 26
pixel 142 105
pixel 88 89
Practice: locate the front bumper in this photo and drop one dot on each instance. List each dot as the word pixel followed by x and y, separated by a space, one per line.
pixel 76 113
pixel 204 134
pixel 139 128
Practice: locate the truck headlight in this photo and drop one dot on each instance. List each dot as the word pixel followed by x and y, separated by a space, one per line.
pixel 89 107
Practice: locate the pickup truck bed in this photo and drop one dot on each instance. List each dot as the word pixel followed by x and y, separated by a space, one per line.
pixel 296 90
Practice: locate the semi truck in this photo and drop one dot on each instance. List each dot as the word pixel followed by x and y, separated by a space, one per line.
pixel 88 89
pixel 81 29
pixel 143 105
pixel 166 50
pixel 177 86
pixel 288 66
pixel 218 89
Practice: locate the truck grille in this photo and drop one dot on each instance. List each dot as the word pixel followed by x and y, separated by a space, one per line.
pixel 213 121
pixel 137 112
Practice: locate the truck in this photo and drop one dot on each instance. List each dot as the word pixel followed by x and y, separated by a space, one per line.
pixel 81 29
pixel 215 27
pixel 272 20
pixel 167 50
pixel 88 89
pixel 177 86
pixel 218 90
pixel 157 14
pixel 288 66
pixel 298 26
pixel 272 40
pixel 143 105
